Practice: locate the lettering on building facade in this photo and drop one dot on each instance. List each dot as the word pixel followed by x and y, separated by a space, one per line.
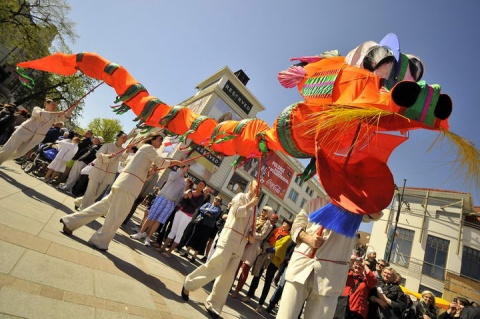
pixel 275 174
pixel 237 97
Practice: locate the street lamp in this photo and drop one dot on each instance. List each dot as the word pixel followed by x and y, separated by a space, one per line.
pixel 391 240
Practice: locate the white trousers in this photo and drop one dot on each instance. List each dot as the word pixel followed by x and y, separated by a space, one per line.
pixel 74 174
pixel 19 144
pixel 180 222
pixel 296 294
pixel 115 206
pixel 94 190
pixel 222 267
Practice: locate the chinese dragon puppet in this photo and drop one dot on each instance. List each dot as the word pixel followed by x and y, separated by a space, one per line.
pixel 356 110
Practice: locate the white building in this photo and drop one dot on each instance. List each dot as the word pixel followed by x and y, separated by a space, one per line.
pixel 436 244
pixel 224 96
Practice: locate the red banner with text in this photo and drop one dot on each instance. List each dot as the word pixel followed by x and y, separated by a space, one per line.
pixel 275 174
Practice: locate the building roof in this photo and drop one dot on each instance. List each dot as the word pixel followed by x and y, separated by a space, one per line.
pixel 436 190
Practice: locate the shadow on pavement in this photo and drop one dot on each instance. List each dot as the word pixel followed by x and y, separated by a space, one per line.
pixel 32 193
pixel 182 265
pixel 136 273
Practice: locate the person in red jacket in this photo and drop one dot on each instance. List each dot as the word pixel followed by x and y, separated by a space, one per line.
pixel 359 282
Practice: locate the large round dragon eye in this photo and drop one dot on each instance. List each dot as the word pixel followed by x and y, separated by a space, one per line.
pixel 406 93
pixel 443 109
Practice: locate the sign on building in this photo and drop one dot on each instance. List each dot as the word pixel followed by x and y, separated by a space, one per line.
pixel 275 174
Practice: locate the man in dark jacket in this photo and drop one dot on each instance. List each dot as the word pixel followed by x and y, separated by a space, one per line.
pixel 53 133
pixel 83 146
pixel 85 157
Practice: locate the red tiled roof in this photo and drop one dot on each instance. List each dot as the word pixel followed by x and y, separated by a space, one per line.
pixel 435 190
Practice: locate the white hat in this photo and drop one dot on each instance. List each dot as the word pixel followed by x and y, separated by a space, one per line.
pixel 100 139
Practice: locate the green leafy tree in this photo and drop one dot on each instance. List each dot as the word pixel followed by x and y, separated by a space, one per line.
pixel 36 26
pixel 106 128
pixel 32 29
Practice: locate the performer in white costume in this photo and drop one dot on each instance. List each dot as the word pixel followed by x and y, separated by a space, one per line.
pixel 116 205
pixel 223 264
pixel 318 268
pixel 104 171
pixel 32 132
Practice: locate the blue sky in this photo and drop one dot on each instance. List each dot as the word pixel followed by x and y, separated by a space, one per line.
pixel 171 46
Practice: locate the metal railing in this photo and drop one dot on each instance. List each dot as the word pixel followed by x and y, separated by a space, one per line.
pixel 430 275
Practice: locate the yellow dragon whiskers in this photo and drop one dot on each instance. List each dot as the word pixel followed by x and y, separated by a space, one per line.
pixel 343 118
pixel 467 159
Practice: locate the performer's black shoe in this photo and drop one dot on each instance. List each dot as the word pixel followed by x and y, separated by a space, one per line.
pixel 212 314
pixel 65 229
pixel 96 247
pixel 184 295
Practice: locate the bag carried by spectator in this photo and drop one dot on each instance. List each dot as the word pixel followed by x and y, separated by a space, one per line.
pixel 343 309
pixel 198 219
pixel 80 186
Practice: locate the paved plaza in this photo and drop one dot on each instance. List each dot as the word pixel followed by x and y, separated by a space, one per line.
pixel 45 274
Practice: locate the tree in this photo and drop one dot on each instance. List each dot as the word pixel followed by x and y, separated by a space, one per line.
pixel 35 26
pixel 106 128
pixel 32 29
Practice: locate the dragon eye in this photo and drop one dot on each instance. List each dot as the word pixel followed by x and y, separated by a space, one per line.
pixel 443 109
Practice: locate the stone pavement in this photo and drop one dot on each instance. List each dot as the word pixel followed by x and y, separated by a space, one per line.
pixel 45 274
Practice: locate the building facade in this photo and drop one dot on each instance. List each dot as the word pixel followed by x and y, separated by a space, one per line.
pixel 224 96
pixel 435 244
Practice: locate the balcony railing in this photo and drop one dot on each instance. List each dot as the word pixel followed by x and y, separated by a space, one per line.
pixel 435 277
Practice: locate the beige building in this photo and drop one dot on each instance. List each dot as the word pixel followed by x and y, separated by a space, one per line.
pixel 436 244
pixel 224 96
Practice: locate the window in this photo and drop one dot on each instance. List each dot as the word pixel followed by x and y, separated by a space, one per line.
pixel 309 191
pixel 261 196
pixel 302 203
pixel 221 111
pixel 293 195
pixel 237 184
pixel 435 292
pixel 470 262
pixel 275 206
pixel 435 259
pixel 298 181
pixel 402 247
